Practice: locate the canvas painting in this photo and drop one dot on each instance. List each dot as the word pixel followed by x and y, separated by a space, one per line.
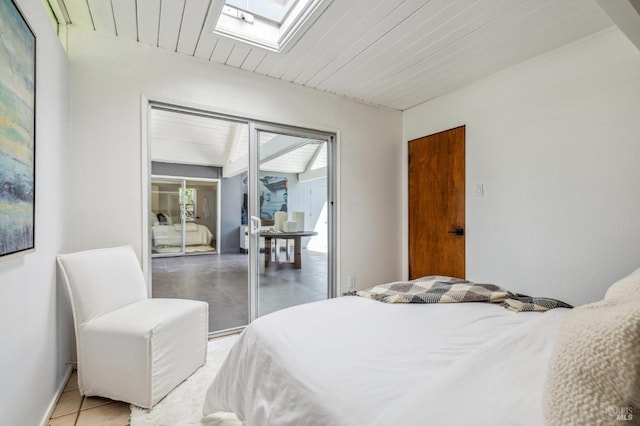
pixel 273 196
pixel 274 192
pixel 17 131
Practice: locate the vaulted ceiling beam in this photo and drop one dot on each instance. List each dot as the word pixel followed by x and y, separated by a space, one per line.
pixel 626 15
pixel 274 148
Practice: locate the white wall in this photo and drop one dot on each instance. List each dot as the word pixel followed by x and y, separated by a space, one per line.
pixel 556 144
pixel 35 319
pixel 110 75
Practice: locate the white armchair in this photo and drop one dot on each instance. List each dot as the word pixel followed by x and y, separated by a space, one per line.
pixel 130 348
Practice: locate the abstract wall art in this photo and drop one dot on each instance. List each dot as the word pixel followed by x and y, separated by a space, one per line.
pixel 17 131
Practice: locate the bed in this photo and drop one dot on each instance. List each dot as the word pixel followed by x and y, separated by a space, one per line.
pixel 357 361
pixel 171 235
pixel 165 232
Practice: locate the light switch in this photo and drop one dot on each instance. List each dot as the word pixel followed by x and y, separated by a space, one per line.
pixel 351 280
pixel 479 190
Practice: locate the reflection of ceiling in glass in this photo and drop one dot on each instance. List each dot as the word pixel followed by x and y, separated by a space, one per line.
pixel 321 158
pixel 193 138
pixel 241 147
pixel 296 161
pixel 274 10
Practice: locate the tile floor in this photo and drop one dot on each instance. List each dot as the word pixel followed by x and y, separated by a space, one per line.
pixel 74 409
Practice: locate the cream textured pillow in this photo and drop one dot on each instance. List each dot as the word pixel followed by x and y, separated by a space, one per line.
pixel 629 286
pixel 594 372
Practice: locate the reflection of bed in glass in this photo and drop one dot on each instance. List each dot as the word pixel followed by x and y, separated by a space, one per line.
pixel 167 236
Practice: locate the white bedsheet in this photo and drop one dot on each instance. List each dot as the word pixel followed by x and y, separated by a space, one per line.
pixel 354 361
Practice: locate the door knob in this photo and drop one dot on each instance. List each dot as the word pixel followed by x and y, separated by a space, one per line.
pixel 457 231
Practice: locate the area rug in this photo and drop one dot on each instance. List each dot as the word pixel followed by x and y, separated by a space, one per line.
pixel 183 405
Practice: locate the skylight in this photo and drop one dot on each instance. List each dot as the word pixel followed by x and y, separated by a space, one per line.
pixel 273 10
pixel 269 24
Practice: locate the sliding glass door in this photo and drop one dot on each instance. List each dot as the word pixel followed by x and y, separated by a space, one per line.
pixel 272 189
pixel 184 216
pixel 166 217
pixel 294 213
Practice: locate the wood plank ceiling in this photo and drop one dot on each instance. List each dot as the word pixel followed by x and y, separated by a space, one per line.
pixel 393 53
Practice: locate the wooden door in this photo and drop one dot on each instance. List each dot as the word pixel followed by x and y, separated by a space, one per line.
pixel 436 204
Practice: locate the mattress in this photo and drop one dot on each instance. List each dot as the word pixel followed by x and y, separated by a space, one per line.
pixel 355 361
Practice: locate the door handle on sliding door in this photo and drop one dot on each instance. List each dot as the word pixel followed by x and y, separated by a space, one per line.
pixel 256 223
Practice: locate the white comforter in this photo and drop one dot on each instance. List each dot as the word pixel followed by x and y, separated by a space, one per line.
pixel 354 361
pixel 171 235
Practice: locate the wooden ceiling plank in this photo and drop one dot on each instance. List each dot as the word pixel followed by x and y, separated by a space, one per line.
pixel 125 15
pixel 254 59
pixel 500 52
pixel 457 54
pixel 205 45
pixel 435 55
pixel 148 21
pixel 79 13
pixel 195 13
pixel 379 52
pixel 334 21
pixel 269 61
pixel 222 50
pixel 478 45
pixel 544 38
pixel 417 31
pixel 330 38
pixel 170 21
pixel 497 63
pixel 432 35
pixel 445 42
pixel 102 14
pixel 313 36
pixel 379 20
pixel 449 67
pixel 238 55
pixel 535 36
pixel 367 32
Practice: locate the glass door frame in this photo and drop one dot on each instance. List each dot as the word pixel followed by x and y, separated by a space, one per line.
pixel 183 180
pixel 176 181
pixel 255 127
pixel 331 137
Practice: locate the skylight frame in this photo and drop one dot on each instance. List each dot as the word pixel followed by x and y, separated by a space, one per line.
pixel 237 24
pixel 269 18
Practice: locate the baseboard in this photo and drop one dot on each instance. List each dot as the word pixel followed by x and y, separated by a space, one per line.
pixel 56 396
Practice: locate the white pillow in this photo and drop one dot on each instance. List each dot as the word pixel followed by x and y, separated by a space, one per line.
pixel 594 369
pixel 154 219
pixel 628 286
